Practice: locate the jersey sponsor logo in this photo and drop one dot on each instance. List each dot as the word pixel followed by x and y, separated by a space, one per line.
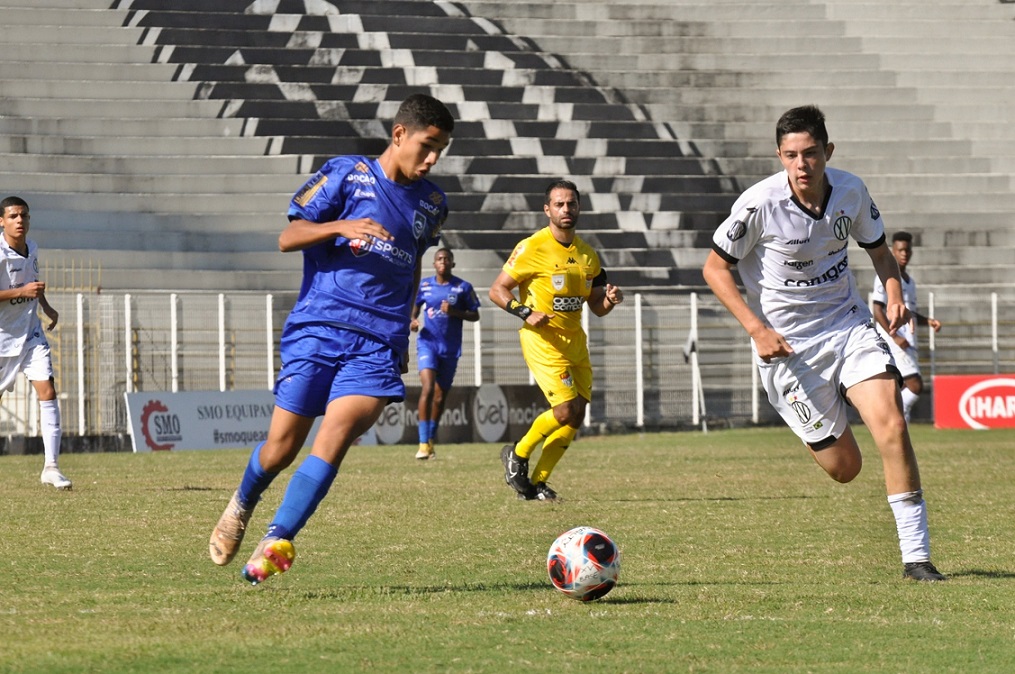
pixel 432 209
pixel 875 213
pixel 798 264
pixel 567 304
pixel 364 194
pixel 312 187
pixel 558 281
pixel 419 223
pixel 360 179
pixel 736 231
pixel 798 242
pixel 841 227
pixel 839 250
pixel 831 275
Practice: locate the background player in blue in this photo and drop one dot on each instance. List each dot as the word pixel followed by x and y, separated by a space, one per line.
pixel 445 301
pixel 363 225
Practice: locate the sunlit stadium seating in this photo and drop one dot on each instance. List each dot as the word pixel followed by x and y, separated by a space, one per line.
pixel 162 139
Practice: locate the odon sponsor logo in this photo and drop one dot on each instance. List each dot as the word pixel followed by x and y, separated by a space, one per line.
pixel 989 404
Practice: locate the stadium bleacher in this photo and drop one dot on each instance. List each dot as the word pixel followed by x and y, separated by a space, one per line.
pixel 162 139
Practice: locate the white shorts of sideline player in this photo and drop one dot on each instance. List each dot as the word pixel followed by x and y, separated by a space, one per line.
pixel 35 361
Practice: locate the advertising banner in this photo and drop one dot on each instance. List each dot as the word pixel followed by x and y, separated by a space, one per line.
pixel 163 421
pixel 974 401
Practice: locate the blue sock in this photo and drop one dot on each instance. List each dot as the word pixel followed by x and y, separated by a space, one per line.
pixel 424 431
pixel 255 479
pixel 433 429
pixel 307 487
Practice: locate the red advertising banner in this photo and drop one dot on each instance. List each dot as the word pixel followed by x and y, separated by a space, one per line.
pixel 974 401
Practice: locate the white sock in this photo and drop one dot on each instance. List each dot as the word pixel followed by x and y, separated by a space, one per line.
pixel 908 400
pixel 49 416
pixel 911 521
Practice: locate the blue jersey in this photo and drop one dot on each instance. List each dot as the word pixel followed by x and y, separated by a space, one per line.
pixel 442 333
pixel 367 287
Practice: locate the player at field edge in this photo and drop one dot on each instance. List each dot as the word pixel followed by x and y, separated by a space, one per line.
pixel 445 301
pixel 556 274
pixel 362 225
pixel 816 346
pixel 23 344
pixel 903 343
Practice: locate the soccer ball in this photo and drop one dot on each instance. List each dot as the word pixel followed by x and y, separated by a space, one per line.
pixel 583 563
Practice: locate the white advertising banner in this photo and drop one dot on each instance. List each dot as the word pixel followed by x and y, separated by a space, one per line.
pixel 163 421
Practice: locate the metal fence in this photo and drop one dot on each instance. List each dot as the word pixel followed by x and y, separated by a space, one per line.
pixel 108 344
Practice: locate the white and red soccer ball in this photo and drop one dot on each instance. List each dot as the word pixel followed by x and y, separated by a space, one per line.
pixel 584 563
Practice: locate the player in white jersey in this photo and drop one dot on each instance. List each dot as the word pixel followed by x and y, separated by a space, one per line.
pixel 817 349
pixel 903 342
pixel 23 346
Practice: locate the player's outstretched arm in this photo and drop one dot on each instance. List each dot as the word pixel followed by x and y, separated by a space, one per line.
pixel 300 234
pixel 718 275
pixel 502 294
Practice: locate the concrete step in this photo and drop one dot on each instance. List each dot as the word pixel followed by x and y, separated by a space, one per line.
pixel 755 44
pixel 928 29
pixel 70 34
pixel 97 72
pixel 138 202
pixel 145 126
pixel 232 184
pixel 110 109
pixel 102 90
pixel 673 26
pixel 135 146
pixel 761 96
pixel 636 11
pixel 122 52
pixel 106 165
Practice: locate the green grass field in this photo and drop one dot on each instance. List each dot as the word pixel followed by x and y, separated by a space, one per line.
pixel 739 555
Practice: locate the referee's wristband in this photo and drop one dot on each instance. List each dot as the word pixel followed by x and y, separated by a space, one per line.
pixel 518 309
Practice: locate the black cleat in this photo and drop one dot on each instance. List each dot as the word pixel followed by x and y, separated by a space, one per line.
pixel 544 493
pixel 922 571
pixel 516 473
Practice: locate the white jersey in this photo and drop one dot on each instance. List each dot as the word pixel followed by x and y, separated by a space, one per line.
pixel 794 264
pixel 908 330
pixel 19 318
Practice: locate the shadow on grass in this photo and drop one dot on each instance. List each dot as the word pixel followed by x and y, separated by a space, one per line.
pixel 421 590
pixel 980 573
pixel 711 499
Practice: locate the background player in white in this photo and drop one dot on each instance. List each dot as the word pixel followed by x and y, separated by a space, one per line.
pixel 817 348
pixel 903 342
pixel 23 346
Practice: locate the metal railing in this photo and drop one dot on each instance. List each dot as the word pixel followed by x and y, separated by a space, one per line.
pixel 108 344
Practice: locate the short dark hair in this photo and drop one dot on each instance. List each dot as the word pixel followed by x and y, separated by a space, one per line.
pixel 805 119
pixel 447 250
pixel 902 236
pixel 561 184
pixel 13 201
pixel 419 111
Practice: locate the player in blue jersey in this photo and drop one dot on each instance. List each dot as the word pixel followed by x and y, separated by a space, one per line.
pixel 445 301
pixel 362 225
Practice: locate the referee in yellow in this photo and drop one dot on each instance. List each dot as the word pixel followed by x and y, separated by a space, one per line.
pixel 555 273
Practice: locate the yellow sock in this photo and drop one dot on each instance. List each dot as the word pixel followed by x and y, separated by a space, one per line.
pixel 553 450
pixel 542 427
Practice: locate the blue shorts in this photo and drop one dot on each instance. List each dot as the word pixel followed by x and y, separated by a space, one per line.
pixel 318 368
pixel 444 366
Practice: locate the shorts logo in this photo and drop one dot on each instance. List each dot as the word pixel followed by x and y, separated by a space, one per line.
pixel 803 412
pixel 842 226
pixel 566 380
pixel 736 231
pixel 558 281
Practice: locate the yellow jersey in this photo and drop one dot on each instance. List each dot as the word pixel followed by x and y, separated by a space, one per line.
pixel 555 279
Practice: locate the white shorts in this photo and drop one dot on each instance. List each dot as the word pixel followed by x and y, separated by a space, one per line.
pixel 907 360
pixel 808 388
pixel 35 361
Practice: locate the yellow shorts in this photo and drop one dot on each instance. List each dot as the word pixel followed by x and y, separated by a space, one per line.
pixel 560 378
